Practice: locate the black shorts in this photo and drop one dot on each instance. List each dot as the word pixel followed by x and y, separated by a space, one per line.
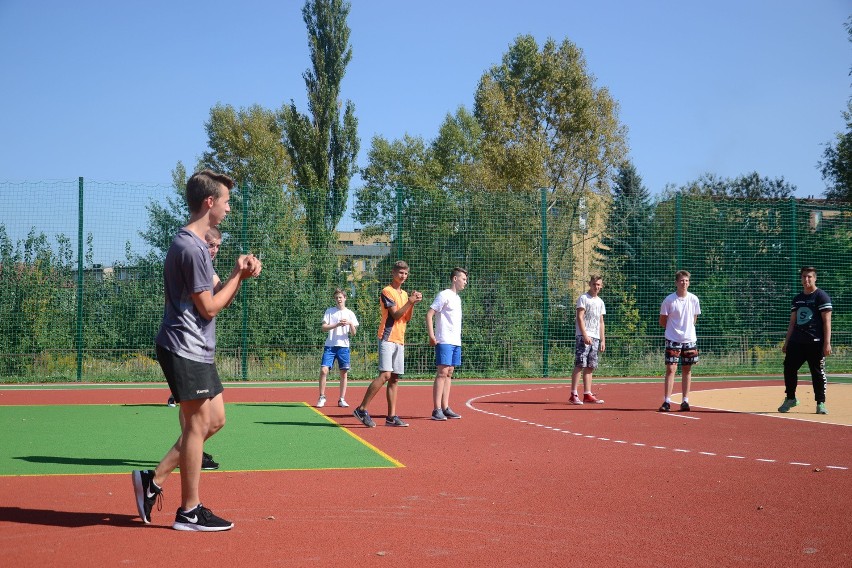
pixel 189 380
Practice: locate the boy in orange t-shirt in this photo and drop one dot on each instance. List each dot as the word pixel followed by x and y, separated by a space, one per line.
pixel 396 309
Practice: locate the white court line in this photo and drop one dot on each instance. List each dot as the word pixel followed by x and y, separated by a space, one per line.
pixel 673 415
pixel 470 405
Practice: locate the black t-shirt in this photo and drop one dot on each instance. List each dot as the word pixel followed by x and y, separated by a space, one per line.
pixel 808 309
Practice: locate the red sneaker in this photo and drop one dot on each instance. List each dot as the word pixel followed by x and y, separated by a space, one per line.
pixel 591 399
pixel 574 399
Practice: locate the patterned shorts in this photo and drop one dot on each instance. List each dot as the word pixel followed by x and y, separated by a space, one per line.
pixel 586 356
pixel 686 353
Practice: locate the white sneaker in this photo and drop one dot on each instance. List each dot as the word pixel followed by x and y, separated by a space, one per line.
pixel 321 401
pixel 342 403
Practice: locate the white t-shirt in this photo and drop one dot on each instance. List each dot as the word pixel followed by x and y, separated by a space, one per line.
pixel 595 308
pixel 448 309
pixel 338 336
pixel 681 312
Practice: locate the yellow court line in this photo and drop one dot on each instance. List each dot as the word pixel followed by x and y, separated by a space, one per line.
pixel 397 463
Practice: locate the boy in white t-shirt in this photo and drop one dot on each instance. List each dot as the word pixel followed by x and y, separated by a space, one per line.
pixel 590 339
pixel 340 323
pixel 678 314
pixel 447 341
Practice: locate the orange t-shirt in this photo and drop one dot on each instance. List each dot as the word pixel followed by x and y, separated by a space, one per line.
pixel 390 329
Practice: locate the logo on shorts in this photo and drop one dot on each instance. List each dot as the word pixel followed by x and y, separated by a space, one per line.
pixel 202 392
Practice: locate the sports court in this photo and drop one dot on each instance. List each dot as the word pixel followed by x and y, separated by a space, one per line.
pixel 522 479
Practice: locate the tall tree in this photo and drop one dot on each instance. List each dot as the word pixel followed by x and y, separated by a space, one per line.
pixel 624 247
pixel 546 124
pixel 836 164
pixel 324 145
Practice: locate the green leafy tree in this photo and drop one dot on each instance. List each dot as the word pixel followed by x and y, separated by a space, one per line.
pixel 164 219
pixel 546 124
pixel 324 145
pixel 625 250
pixel 747 186
pixel 836 163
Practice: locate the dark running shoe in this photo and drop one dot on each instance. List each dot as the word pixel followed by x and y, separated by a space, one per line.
pixel 666 407
pixel 147 493
pixel 364 417
pixel 207 462
pixel 448 412
pixel 171 402
pixel 395 421
pixel 684 406
pixel 200 519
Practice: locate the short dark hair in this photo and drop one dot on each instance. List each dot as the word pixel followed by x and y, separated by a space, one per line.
pixel 680 273
pixel 338 291
pixel 204 184
pixel 457 271
pixel 400 265
pixel 807 269
pixel 214 233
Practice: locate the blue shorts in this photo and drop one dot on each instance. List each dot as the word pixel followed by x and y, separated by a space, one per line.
pixel 329 354
pixel 448 355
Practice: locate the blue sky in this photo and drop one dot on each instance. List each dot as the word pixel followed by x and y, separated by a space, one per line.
pixel 120 91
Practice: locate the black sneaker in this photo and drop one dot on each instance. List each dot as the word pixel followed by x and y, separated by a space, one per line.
pixel 147 493
pixel 395 421
pixel 200 519
pixel 448 412
pixel 207 462
pixel 666 407
pixel 684 406
pixel 171 402
pixel 364 417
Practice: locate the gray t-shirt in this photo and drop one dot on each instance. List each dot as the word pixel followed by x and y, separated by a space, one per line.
pixel 188 270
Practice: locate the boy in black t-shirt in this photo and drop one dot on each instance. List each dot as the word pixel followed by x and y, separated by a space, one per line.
pixel 808 339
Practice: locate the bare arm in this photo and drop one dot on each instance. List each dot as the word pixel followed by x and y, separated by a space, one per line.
pixel 603 335
pixel 429 327
pixel 826 330
pixel 581 323
pixel 415 298
pixel 664 319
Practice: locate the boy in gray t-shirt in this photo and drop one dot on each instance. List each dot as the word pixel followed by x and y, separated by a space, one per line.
pixel 186 345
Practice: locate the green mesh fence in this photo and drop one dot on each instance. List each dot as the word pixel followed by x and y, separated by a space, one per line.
pixel 81 278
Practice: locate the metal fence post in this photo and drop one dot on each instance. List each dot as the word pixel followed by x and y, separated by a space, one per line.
pixel 245 287
pixel 678 231
pixel 80 279
pixel 794 252
pixel 545 297
pixel 399 191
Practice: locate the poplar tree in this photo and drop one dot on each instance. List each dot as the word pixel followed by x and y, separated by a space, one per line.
pixel 324 144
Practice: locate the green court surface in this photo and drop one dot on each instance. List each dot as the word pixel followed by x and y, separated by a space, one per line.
pixel 98 439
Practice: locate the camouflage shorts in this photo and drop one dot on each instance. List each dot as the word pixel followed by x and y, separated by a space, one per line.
pixel 586 356
pixel 686 353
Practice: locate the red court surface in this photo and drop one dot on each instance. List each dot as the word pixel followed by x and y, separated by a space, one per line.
pixel 523 479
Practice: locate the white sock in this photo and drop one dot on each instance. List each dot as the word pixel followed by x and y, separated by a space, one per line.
pixel 668 399
pixel 686 399
pixel 574 393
